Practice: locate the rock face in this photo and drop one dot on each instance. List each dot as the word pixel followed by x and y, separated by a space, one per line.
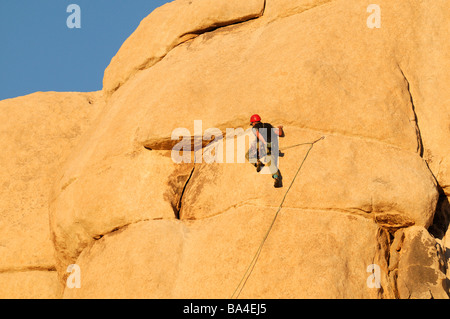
pixel 37 133
pixel 371 196
pixel 170 25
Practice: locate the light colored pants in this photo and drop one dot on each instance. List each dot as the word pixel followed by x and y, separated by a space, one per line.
pixel 270 154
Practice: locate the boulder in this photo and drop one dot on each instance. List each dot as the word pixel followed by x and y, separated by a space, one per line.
pixel 422 266
pixel 168 26
pixel 210 258
pixel 36 133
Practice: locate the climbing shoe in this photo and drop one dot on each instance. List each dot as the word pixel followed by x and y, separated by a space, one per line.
pixel 278 183
pixel 259 166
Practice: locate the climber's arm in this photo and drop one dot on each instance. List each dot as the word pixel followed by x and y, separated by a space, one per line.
pixel 279 131
pixel 260 137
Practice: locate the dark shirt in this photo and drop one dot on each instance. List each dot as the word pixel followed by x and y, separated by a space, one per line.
pixel 265 129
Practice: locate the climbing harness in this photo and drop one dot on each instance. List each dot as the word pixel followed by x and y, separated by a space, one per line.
pixel 250 268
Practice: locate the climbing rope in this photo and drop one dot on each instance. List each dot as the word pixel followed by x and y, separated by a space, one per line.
pixel 309 143
pixel 250 268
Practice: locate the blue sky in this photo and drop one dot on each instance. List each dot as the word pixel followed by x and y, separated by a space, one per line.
pixel 38 52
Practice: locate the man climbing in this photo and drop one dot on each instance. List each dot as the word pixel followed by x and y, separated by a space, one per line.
pixel 266 144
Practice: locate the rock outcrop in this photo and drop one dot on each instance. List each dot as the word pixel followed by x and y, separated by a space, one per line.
pixel 371 195
pixel 38 131
pixel 169 26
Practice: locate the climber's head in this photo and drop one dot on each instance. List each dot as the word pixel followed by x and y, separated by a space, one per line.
pixel 255 119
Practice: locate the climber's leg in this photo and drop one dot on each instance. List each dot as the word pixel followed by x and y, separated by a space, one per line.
pixel 252 157
pixel 273 166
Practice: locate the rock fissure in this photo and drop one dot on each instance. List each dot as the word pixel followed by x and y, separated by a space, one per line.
pixel 295 10
pixel 420 148
pixel 180 200
pixel 178 40
pixel 393 257
pixel 28 268
pixel 191 35
pixel 167 143
pixel 114 230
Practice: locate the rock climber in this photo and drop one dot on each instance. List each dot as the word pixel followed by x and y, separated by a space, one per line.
pixel 266 144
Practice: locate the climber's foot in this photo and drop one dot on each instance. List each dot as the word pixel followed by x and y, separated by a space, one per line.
pixel 259 166
pixel 278 183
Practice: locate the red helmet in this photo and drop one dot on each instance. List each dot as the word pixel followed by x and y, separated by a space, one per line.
pixel 255 118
